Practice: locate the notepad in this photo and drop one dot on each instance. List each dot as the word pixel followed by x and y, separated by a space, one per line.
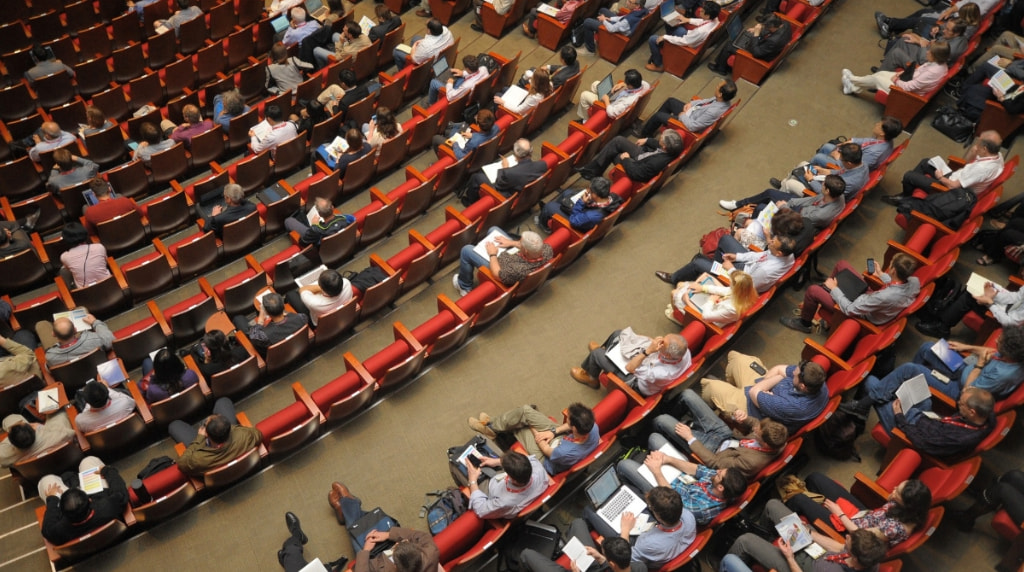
pixel 491 170
pixel 1001 83
pixel 514 96
pixel 261 130
pixel 481 247
pixel 404 48
pixel 111 372
pixel 577 552
pixel 912 392
pixel 48 400
pixel 668 471
pixel 940 165
pixel 976 284
pixel 77 316
pixel 950 358
pixel 550 11
pixel 90 481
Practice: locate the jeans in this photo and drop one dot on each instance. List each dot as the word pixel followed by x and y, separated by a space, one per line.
pixel 469 261
pixel 321 54
pixel 926 357
pixel 629 470
pixel 671 108
pixel 656 58
pixel 434 92
pixel 707 426
pixel 883 392
pixel 399 55
pixel 554 207
pixel 590 28
pixel 824 158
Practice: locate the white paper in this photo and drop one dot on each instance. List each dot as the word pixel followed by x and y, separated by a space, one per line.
pixel 491 170
pixel 547 9
pixel 313 217
pixel 718 270
pixel 668 471
pixel 152 354
pixel 111 372
pixel 514 96
pixel 48 400
pixel 261 130
pixel 457 139
pixel 90 481
pixel 311 277
pixel 940 165
pixel 995 61
pixel 481 247
pixel 337 147
pixel 77 316
pixel 365 23
pixel 1000 83
pixel 404 48
pixel 912 392
pixel 576 552
pixel 793 531
pixel 814 550
pixel 976 284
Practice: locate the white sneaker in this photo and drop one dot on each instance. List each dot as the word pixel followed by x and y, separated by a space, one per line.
pixel 848 87
pixel 455 282
pixel 847 73
pixel 728 205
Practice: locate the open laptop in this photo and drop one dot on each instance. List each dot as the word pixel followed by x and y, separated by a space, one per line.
pixel 668 13
pixel 611 498
pixel 280 23
pixel 441 70
pixel 605 86
pixel 317 9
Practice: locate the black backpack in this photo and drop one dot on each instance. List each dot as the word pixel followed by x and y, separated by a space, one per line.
pixel 449 505
pixel 951 207
pixel 837 436
pixel 488 62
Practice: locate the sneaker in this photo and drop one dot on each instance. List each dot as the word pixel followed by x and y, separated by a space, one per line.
pixel 795 324
pixel 481 428
pixel 883 25
pixel 847 73
pixel 728 205
pixel 455 282
pixel 670 313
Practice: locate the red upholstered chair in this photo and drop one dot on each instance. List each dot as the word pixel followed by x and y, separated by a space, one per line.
pixel 134 342
pixel 88 544
pixel 446 330
pixel 688 556
pixel 347 393
pixel 398 362
pixel 898 440
pixel 467 537
pixel 613 47
pixel 170 491
pixel 852 342
pixel 679 59
pixel 944 483
pixel 292 426
pixel 237 292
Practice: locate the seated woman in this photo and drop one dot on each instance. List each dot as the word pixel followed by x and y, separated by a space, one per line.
pixel 355 148
pixel 926 78
pixel 165 375
pixel 905 510
pixel 469 139
pixel 566 8
pixel 382 127
pixel 540 87
pixel 722 305
pixel 217 352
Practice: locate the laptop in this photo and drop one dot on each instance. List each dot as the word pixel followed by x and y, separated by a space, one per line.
pixel 605 87
pixel 850 284
pixel 280 23
pixel 316 9
pixel 668 13
pixel 611 498
pixel 441 70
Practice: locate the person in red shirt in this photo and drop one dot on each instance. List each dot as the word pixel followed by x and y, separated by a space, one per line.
pixel 108 206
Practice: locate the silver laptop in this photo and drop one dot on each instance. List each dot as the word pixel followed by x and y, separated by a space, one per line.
pixel 605 87
pixel 317 9
pixel 611 498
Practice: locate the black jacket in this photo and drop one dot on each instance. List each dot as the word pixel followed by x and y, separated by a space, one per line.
pixel 563 73
pixel 228 215
pixel 106 506
pixel 514 178
pixel 770 44
pixel 380 30
pixel 650 166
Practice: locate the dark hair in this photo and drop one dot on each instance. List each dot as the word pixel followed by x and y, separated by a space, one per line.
pixel 218 429
pixel 219 346
pixel 787 245
pixel 149 133
pixel 633 78
pixel 568 54
pixel 812 376
pixel 581 417
pixel 672 141
pixel 891 127
pixel 601 187
pixel 904 266
pixel 773 433
pixel 273 304
pixel 278 52
pixel 353 29
pixel 167 371
pixel 190 113
pixel 470 62
pixel 959 27
pixel 435 27
pixel 387 124
pixel 383 12
pixel 273 112
pixel 485 119
pixel 354 137
pixel 348 77
pixel 851 152
pixel 96 394
pixel 835 186
pixel 41 53
pixel 733 483
pixel 868 547
pixel 787 222
pixel 712 10
pixel 407 557
pixel 666 505
pixel 74 504
pixel 330 282
pixel 94 117
pixel 772 22
pixel 184 4
pixel 617 550
pixel 729 89
pixel 22 436
pixel 989 145
pixel 517 466
pixel 915 500
pixel 1011 343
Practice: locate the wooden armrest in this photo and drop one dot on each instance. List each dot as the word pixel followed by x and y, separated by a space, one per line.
pixel 827 530
pixel 179 448
pixel 162 249
pixel 921 259
pixel 216 168
pixel 37 244
pixel 559 221
pixel 547 148
pixel 158 315
pixel 376 194
pixel 446 303
pixel 576 126
pixel 503 111
pixel 445 150
pixel 353 364
pixel 302 395
pixel 402 333
pixel 140 401
pixel 243 419
pixel 190 362
pixel 946 400
pixel 243 340
pixel 695 315
pixel 955 162
pixel 414 173
pixel 814 347
pixel 622 386
pixel 416 238
pixel 115 270
pixel 64 292
pixel 253 264
pixel 451 214
pixel 1015 283
pixel 7 210
pixel 204 285
pixel 488 191
pixel 419 111
pixel 862 480
pixel 379 262
pixel 921 218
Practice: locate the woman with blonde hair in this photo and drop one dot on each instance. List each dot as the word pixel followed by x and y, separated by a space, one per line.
pixel 723 304
pixel 540 87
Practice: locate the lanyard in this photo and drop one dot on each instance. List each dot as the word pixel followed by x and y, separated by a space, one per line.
pixel 752 444
pixel 953 421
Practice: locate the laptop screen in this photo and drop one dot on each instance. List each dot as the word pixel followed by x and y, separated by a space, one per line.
pixel 603 487
pixel 668 7
pixel 605 87
pixel 440 67
pixel 313 5
pixel 279 23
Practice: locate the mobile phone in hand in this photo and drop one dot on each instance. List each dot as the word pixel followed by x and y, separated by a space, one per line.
pixel 871 265
pixel 474 460
pixel 758 368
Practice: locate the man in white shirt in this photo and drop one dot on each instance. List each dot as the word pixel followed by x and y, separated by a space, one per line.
pixel 461 82
pixel 678 34
pixel 426 48
pixel 523 481
pixel 103 407
pixel 653 366
pixel 765 268
pixel 330 292
pixel 984 163
pixel 622 96
pixel 280 131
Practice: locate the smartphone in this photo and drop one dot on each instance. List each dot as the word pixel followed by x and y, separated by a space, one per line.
pixel 474 460
pixel 871 265
pixel 758 368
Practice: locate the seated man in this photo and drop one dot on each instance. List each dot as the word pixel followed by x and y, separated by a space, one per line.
pixel 899 289
pixel 17 361
pixel 615 554
pixel 983 164
pixel 863 550
pixel 298 28
pixel 559 74
pixel 653 363
pixel 107 208
pixel 326 222
pixel 14 236
pixel 347 44
pixel 508 267
pixel 976 89
pixel 24 440
pixel 585 213
pixel 714 443
pixel 764 41
pixel 235 207
pixel 152 142
pixel 874 150
pixel 281 130
pixel 338 97
pixel 49 137
pixel 69 170
pixel 46 64
pixel 820 210
pixel 705 22
pixel 425 48
pixel 642 161
pixel 925 78
pixel 103 407
pixel 910 48
pixel 186 12
pixel 523 481
pixel 766 268
pixel 851 169
pixel 510 180
pixel 71 512
pixel 674 531
pixel 64 343
pixel 947 436
pixel 487 129
pixel 705 498
pixel 192 124
pixel 272 323
pixel 330 292
pixel 619 100
pixel 1007 307
pixel 696 115
pixel 612 22
pixel 790 394
pixel 561 446
pixel 218 440
pixel 462 81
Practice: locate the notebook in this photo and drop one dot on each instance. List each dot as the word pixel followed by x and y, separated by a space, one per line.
pixel 669 472
pixel 77 316
pixel 669 15
pixel 550 11
pixel 481 247
pixel 514 96
pixel 111 372
pixel 279 23
pixel 311 277
pixel 441 70
pixel 850 284
pixel 605 87
pixel 48 400
pixel 271 195
pixel 976 284
pixel 611 498
pixel 950 358
pixel 491 169
pixel 912 392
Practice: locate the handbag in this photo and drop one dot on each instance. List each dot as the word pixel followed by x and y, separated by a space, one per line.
pixel 953 124
pixel 709 242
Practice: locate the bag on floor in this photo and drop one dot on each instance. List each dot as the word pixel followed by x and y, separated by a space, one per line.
pixel 449 505
pixel 709 242
pixel 837 436
pixel 953 124
pixel 543 538
pixel 376 519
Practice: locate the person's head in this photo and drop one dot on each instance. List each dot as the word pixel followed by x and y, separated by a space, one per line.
pixel 485 119
pixel 787 222
pixel 218 429
pixel 42 54
pixel 772 433
pixel 851 153
pixel 726 89
pixel 675 347
pixel 567 54
pixel 969 13
pixel 407 557
pixel 149 133
pixel 470 62
pixel 62 158
pixel 348 79
pixel 601 187
pixel 167 370
pixel 729 483
pixel 383 13
pixel 835 186
pixel 273 114
pixel 742 291
pixel 75 505
pixel 298 15
pixel 711 10
pixel 353 30
pixel 666 505
pixel 100 187
pixel 1010 344
pixel 233 194
pixel 190 113
pixel 541 82
pixel 953 29
pixel 324 207
pixel 888 128
pixel 233 102
pixel 435 27
pixel 533 244
pixel 217 343
pixel 911 500
pixel 50 130
pixel 64 330
pixel 94 117
pixel 522 149
pixel 184 4
pixel 633 79
pixel 809 377
pixel 330 282
pixel 354 138
pixel 22 436
pixel 581 418
pixel 773 22
pixel 672 142
pixel 74 233
pixel 518 467
pixel 96 394
pixel 278 53
pixel 780 245
pixel 618 552
pixel 273 304
pixel 868 546
pixel 938 52
pixel 903 266
pixel 976 404
pixel 988 143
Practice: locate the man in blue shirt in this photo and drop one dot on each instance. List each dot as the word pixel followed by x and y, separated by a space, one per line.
pixel 673 532
pixel 561 446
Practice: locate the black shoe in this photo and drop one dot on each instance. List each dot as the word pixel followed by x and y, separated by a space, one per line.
pixel 932 329
pixel 476 27
pixel 664 277
pixel 30 221
pixel 883 24
pixel 854 409
pixel 795 324
pixel 762 17
pixel 874 69
pixel 775 183
pixel 962 520
pixel 720 70
pixel 337 565
pixel 280 557
pixel 893 200
pixel 584 173
pixel 292 522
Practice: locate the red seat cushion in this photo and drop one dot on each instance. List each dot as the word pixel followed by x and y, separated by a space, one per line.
pixel 400 261
pixel 283 421
pixel 390 356
pixel 473 302
pixel 610 411
pixel 141 260
pixel 558 240
pixel 695 333
pixel 443 233
pixel 335 390
pixel 369 209
pixel 478 210
pixel 458 536
pixel 303 186
pixel 127 331
pixel 184 305
pixel 843 337
pixel 437 167
pixel 235 280
pixel 160 484
pixel 185 241
pixel 428 332
pixel 574 142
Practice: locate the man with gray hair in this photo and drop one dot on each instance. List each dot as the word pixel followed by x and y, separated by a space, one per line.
pixel 515 173
pixel 299 27
pixel 49 137
pixel 234 208
pixel 651 363
pixel 642 160
pixel 984 163
pixel 508 260
pixel 322 221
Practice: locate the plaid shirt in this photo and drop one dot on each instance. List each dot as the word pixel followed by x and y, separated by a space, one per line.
pixel 697 498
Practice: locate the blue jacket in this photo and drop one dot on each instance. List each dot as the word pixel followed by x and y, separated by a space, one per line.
pixel 585 217
pixel 477 139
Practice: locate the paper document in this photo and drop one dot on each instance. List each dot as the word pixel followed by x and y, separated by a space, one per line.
pixel 514 96
pixel 912 392
pixel 951 359
pixel 313 217
pixel 793 531
pixel 111 372
pixel 481 247
pixel 940 165
pixel 365 23
pixel 814 550
pixel 491 170
pixel 976 284
pixel 1001 83
pixel 77 316
pixel 48 400
pixel 576 552
pixel 261 130
pixel 995 61
pixel 404 48
pixel 90 481
pixel 550 11
pixel 670 473
pixel 457 139
pixel 765 217
pixel 336 148
pixel 718 270
pixel 311 277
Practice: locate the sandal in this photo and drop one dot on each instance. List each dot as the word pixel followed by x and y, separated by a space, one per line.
pixel 984 260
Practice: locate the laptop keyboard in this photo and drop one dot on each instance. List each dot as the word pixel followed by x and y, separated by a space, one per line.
pixel 616 505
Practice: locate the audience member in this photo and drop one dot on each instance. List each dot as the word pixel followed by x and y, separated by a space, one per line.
pixel 186 13
pixel 107 207
pixel 383 127
pixel 558 74
pixel 165 375
pixel 192 124
pixel 272 323
pixel 102 406
pixel 14 234
pixel 724 304
pixel 218 440
pixel 235 207
pixel 764 41
pixel 696 115
pixel 539 88
pixel 347 44
pixel 912 49
pixel 586 212
pixel 566 8
pixel 49 137
pixel 151 144
pixel 924 79
pixel 923 20
pixel 766 268
pixel 983 164
pixel 284 72
pixel 46 64
pixel 299 27
pixel 386 22
pixel 1006 307
pixel 511 178
pixel 69 170
pixel 531 253
pixel 216 352
pixel 426 48
pixel 95 122
pixel 84 261
pixel 461 82
pixel 652 363
pixel 673 531
pixel 324 223
pixel 281 130
pixel 705 22
pixel 615 554
pixel 641 161
pixel 24 439
pixel 64 343
pixel 18 361
pixel 522 482
pixel 72 513
pixel 357 148
pixel 977 89
pixel 874 150
pixel 227 106
pixel 470 138
pixel 851 169
pixel 820 210
pixel 612 22
pixel 330 292
pixel 561 446
pixel 619 100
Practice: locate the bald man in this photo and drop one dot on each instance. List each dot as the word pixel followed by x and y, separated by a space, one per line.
pixel 64 343
pixel 983 163
pixel 652 363
pixel 49 137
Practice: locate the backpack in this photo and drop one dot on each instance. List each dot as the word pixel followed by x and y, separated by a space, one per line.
pixel 951 207
pixel 837 436
pixel 488 62
pixel 448 506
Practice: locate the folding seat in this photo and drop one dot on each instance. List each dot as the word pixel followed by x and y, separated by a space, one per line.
pixel 397 362
pixel 18 62
pixel 252 81
pixel 337 248
pixel 393 153
pixel 88 544
pixel 27 471
pixel 944 483
pixel 179 77
pixel 126 30
pixel 417 81
pixel 16 102
pixel 69 116
pixel 119 437
pixel 80 14
pixel 113 103
pixel 275 213
pixel 391 94
pixel 347 393
pixel 236 294
pixel 240 236
pixel 231 472
pixel 381 294
pixel 533 280
pixel 206 147
pixel 388 44
pixel 358 174
pixel 210 61
pixel 265 35
pixel 896 441
pixel 852 342
pixel 238 129
pixel 94 43
pixel 447 11
pixel 415 201
pixel 148 275
pixel 170 491
pixel 192 35
pixel 45 27
pixel 529 196
pixel 128 62
pixel 469 536
pixel 54 89
pixel 290 156
pixel 249 11
pixel 146 90
pixel 381 221
pixel 418 262
pixel 13 36
pixel 222 20
pixel 49 213
pixel 122 233
pixel 134 342
pixel 614 46
pixel 12 394
pixel 75 373
pixel 288 352
pixel 293 426
pixel 333 324
pixel 104 298
pixel 23 270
